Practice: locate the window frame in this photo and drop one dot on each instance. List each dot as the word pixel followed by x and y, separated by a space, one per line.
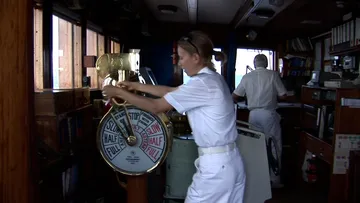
pixel 38 47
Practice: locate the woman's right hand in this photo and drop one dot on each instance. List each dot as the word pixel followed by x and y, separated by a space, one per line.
pixel 130 86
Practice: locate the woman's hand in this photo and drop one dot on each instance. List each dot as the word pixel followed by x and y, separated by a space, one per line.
pixel 111 91
pixel 129 85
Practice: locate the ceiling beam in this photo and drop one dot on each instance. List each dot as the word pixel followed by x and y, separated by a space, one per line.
pixel 241 12
pixel 192 10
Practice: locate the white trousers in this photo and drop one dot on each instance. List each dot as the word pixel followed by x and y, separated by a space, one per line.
pixel 269 122
pixel 219 178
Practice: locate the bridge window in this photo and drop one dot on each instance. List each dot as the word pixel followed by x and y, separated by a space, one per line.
pixel 66 54
pixel 245 62
pixel 217 65
pixel 95 46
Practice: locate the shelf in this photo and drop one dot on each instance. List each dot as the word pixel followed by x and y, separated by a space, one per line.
pixel 350 51
pixel 55 166
pixel 303 54
pixel 325 141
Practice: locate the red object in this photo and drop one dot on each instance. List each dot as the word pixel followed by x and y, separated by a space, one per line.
pixel 174 53
pixel 107 107
pixel 312 170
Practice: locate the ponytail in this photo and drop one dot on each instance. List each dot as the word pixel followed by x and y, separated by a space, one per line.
pixel 220 56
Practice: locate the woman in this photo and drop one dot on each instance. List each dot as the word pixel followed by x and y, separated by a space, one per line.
pixel 207 101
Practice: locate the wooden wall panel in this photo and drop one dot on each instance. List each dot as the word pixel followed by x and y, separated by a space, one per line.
pixel 38 49
pixel 17 98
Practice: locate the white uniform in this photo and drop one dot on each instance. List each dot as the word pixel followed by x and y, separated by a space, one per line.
pixel 220 176
pixel 262 87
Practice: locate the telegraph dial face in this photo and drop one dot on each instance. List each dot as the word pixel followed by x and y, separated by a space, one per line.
pixel 152 140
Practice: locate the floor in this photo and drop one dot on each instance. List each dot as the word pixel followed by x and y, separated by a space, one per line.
pixel 300 193
pixel 294 194
pixel 291 193
pixel 286 195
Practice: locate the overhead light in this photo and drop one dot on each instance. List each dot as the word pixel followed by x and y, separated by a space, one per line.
pixel 167 9
pixel 264 13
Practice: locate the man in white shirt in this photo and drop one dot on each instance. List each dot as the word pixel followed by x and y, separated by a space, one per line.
pixel 263 88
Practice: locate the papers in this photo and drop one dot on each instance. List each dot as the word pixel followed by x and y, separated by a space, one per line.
pixel 344 143
pixel 354 103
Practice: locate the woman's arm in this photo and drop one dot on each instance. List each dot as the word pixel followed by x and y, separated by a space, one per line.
pixel 237 98
pixel 156 90
pixel 148 104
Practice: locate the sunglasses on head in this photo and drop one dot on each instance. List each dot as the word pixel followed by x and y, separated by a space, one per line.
pixel 188 40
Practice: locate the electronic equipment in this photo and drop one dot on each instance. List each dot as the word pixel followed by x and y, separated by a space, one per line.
pixel 348 62
pixel 318 78
pixel 338 84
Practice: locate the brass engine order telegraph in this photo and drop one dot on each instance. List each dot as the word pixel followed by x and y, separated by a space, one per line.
pixel 131 141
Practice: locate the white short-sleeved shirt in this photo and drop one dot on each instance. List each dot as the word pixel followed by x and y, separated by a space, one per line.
pixel 261 87
pixel 207 101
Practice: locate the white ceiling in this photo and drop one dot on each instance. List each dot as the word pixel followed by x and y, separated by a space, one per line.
pixel 211 11
pixel 217 11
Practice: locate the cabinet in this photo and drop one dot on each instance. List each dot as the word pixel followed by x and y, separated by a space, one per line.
pixel 319 132
pixel 63 130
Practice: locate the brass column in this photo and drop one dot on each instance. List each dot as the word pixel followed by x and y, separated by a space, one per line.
pixel 16 100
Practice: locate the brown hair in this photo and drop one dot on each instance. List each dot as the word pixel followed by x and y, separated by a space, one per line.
pixel 197 42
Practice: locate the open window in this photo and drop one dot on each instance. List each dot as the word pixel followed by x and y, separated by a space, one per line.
pixel 115 47
pixel 245 62
pixel 95 46
pixel 66 54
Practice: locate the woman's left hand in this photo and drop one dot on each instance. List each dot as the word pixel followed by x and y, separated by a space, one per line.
pixel 111 91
